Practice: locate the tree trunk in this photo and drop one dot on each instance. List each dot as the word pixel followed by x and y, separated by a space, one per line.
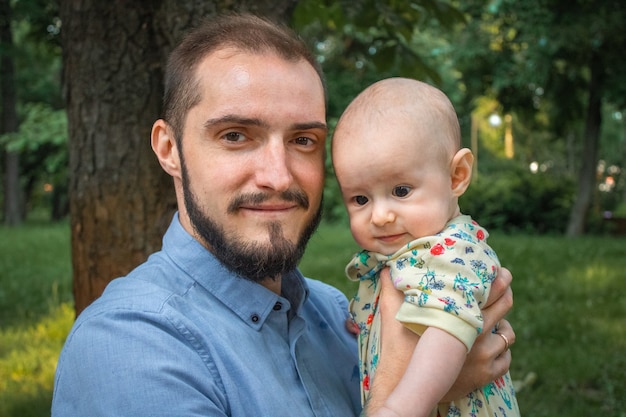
pixel 113 56
pixel 8 121
pixel 587 175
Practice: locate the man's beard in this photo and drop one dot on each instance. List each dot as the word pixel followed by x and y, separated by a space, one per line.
pixel 251 260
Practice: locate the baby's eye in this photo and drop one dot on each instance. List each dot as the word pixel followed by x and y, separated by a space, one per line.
pixel 361 200
pixel 401 191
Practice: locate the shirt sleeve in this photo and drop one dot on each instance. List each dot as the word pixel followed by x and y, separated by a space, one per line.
pixel 446 280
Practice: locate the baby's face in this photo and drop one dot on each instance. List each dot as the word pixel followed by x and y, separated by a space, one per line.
pixel 394 185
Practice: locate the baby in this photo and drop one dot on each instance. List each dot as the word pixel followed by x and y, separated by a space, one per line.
pixel 398 159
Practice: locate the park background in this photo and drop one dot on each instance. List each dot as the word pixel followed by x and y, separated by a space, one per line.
pixel 540 93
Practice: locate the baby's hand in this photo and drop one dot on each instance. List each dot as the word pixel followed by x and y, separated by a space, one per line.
pixel 352 326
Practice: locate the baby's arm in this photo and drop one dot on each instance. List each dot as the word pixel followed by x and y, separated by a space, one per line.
pixel 431 372
pixel 483 364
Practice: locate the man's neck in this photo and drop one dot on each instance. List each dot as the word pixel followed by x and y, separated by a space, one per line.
pixel 272 284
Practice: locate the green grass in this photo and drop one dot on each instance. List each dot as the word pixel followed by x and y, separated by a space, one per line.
pixel 35 271
pixel 36 314
pixel 569 315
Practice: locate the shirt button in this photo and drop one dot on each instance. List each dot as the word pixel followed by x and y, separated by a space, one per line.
pixel 278 306
pixel 254 318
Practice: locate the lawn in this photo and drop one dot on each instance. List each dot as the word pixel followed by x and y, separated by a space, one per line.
pixel 35 314
pixel 569 315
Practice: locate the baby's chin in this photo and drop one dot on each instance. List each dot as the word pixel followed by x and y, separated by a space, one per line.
pixel 389 246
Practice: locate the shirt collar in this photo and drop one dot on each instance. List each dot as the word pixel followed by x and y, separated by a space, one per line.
pixel 252 302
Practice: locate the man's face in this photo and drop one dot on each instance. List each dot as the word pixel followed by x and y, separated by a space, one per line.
pixel 252 161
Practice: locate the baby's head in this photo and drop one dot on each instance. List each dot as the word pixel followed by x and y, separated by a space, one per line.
pixel 397 157
pixel 422 116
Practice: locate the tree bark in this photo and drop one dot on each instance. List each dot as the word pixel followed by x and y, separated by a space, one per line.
pixel 9 122
pixel 113 56
pixel 587 174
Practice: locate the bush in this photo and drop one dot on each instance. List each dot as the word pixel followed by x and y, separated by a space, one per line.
pixel 518 200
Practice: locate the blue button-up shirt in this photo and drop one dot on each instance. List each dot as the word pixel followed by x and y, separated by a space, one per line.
pixel 181 335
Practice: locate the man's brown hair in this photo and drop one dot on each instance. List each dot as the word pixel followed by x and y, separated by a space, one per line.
pixel 244 32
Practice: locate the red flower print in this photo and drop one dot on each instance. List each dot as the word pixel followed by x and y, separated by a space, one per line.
pixel 480 235
pixel 449 242
pixel 370 318
pixel 437 249
pixel 366 383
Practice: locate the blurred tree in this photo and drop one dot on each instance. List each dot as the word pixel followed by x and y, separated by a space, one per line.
pixel 31 82
pixel 377 36
pixel 41 141
pixel 9 122
pixel 558 58
pixel 120 199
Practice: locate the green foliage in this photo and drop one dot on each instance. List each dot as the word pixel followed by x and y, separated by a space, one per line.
pixel 35 27
pixel 36 58
pixel 42 145
pixel 620 211
pixel 42 134
pixel 333 207
pixel 515 199
pixel 536 56
pixel 383 36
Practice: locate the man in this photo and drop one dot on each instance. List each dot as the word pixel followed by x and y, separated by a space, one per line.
pixel 220 322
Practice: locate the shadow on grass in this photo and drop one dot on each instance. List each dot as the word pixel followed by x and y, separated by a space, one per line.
pixel 29 406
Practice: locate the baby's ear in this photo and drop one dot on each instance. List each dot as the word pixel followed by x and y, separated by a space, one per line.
pixel 461 169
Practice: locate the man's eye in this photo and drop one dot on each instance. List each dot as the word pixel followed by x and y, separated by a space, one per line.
pixel 303 140
pixel 360 200
pixel 234 137
pixel 401 191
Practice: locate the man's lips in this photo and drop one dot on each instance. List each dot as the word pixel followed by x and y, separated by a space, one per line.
pixel 270 207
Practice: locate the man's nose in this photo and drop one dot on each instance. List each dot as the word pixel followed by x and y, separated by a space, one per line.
pixel 273 169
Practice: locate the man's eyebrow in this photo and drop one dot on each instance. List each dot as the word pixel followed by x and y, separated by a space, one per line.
pixel 310 125
pixel 250 121
pixel 234 119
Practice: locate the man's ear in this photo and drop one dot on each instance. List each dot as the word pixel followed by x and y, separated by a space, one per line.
pixel 165 148
pixel 461 169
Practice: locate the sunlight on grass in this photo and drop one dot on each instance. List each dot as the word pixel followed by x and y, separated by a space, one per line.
pixel 28 359
pixel 599 274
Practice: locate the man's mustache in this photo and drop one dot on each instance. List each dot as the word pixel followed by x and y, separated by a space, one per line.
pixel 251 199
